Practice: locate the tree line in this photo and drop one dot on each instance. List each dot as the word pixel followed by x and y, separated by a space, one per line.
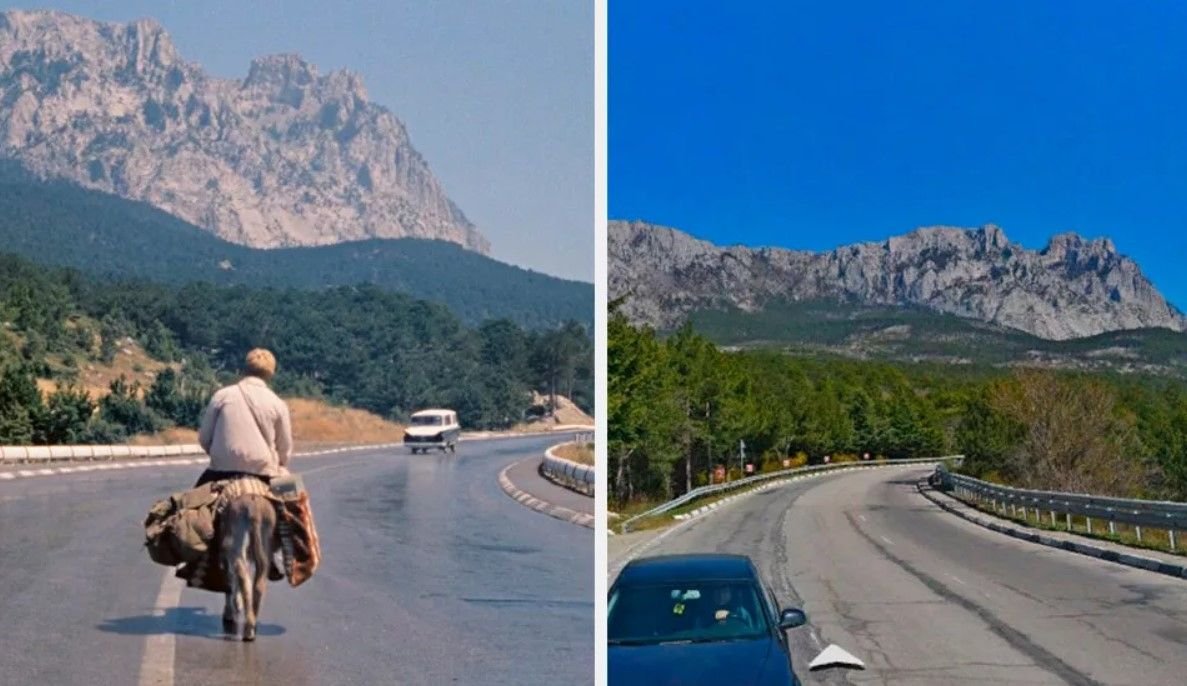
pixel 362 346
pixel 678 409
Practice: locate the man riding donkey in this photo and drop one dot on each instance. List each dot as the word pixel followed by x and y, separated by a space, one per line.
pixel 246 509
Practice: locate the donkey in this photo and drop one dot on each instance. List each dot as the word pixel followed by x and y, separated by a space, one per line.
pixel 249 534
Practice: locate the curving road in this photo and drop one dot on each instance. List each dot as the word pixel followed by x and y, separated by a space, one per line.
pixel 430 575
pixel 924 597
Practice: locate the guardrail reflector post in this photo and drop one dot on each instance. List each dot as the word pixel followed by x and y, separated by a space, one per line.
pixel 1052 519
pixel 1112 528
pixel 1089 520
pixel 1172 535
pixel 1139 530
pixel 1069 521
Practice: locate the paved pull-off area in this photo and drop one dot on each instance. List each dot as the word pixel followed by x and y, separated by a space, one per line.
pixel 924 597
pixel 431 575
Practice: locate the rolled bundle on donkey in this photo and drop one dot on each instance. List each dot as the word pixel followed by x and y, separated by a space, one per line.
pixel 246 510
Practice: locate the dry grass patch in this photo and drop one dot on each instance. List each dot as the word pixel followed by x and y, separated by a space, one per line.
pixel 172 436
pixel 582 453
pixel 567 413
pixel 95 378
pixel 315 421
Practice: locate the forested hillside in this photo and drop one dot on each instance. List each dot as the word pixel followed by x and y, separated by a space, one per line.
pixel 61 224
pixel 678 407
pixel 362 346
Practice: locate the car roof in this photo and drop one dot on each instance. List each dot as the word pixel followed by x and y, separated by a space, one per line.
pixel 431 411
pixel 690 567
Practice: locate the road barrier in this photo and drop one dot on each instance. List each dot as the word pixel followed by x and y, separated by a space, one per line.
pixel 574 475
pixel 1152 514
pixel 715 489
pixel 47 453
pixel 26 454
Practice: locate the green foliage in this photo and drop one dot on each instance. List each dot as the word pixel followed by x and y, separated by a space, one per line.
pixel 362 346
pixel 122 407
pixel 678 408
pixel 911 334
pixel 57 223
pixel 67 418
pixel 21 408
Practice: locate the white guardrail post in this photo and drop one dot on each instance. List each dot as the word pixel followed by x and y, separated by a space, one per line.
pixel 574 475
pixel 20 454
pixel 1138 514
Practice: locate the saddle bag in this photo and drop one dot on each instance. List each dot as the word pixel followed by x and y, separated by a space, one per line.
pixel 178 529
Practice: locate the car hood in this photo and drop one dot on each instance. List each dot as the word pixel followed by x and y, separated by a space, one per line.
pixel 740 663
pixel 424 430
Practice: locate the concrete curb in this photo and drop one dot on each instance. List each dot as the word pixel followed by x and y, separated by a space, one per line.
pixel 173 462
pixel 1087 549
pixel 528 500
pixel 574 476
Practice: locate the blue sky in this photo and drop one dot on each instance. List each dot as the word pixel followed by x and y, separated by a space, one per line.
pixel 497 96
pixel 810 125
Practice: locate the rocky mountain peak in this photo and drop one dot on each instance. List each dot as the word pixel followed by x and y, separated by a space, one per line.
pixel 1072 288
pixel 282 157
pixel 280 71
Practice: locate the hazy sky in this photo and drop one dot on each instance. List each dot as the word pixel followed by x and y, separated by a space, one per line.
pixel 497 95
pixel 810 125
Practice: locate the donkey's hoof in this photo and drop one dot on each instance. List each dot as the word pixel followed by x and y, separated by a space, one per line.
pixel 249 633
pixel 228 626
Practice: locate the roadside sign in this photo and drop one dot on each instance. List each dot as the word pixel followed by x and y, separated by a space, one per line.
pixel 749 467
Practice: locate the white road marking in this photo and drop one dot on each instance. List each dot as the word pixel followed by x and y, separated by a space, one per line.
pixel 156 665
pixel 861 517
pixel 7 475
pixel 887 540
pixel 26 472
pixel 957 580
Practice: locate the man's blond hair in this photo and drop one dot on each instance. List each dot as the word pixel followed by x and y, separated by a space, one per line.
pixel 261 363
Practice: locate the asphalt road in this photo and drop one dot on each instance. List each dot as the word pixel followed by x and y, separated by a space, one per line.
pixel 430 575
pixel 924 597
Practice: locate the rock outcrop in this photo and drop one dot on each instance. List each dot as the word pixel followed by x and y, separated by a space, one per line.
pixel 283 157
pixel 1072 288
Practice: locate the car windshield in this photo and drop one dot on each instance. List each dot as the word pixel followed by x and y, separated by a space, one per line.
pixel 685 612
pixel 427 420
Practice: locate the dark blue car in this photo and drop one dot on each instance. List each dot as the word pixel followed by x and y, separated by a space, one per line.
pixel 697 619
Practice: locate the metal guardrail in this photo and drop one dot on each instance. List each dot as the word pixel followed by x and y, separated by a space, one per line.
pixel 1152 514
pixel 24 454
pixel 704 491
pixel 580 477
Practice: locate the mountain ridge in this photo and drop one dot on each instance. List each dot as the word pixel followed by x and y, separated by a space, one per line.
pixel 1072 288
pixel 61 224
pixel 282 157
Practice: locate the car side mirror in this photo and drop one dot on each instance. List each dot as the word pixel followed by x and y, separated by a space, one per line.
pixel 791 618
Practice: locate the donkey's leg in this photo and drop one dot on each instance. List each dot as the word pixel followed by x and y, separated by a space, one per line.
pixel 263 529
pixel 228 561
pixel 238 576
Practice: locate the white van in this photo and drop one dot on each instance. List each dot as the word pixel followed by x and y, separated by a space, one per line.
pixel 433 428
